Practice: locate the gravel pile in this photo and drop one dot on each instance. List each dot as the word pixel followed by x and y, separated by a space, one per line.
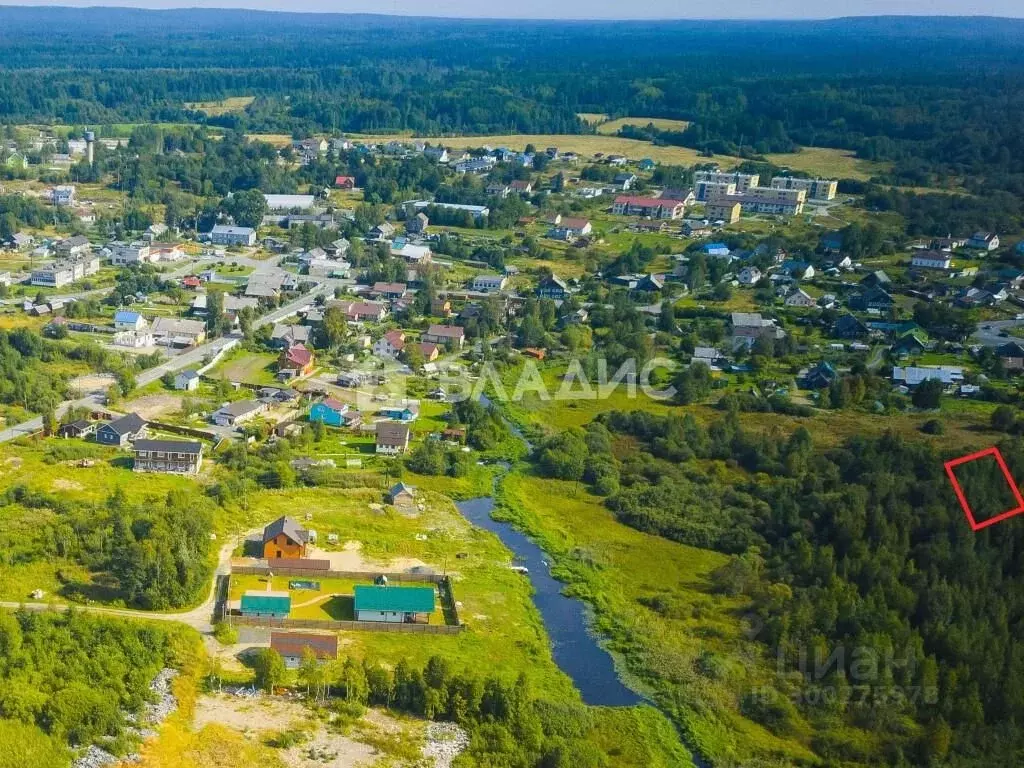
pixel 95 757
pixel 445 742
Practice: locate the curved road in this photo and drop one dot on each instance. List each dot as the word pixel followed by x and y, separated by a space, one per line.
pixel 988 332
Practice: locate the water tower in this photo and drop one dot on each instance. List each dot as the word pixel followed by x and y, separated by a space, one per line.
pixel 90 144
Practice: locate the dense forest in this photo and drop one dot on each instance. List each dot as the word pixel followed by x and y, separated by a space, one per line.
pixel 938 98
pixel 885 611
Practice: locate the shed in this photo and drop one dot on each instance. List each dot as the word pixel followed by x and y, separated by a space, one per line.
pixel 291 646
pixel 275 605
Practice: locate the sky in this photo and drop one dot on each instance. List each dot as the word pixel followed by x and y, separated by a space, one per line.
pixel 592 9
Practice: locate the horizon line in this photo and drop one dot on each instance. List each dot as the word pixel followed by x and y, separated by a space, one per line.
pixel 136 6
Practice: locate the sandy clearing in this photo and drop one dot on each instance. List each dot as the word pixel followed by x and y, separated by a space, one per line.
pixel 63 484
pixel 92 382
pixel 350 558
pixel 153 406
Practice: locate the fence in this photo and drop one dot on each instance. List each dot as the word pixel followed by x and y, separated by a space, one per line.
pixel 452 625
pixel 177 429
pixel 220 353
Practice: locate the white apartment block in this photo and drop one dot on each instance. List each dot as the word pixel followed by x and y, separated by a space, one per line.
pixel 816 189
pixel 743 181
pixel 711 190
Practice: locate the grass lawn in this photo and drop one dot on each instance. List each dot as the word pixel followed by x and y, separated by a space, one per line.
pixel 611 127
pixel 249 367
pixel 332 601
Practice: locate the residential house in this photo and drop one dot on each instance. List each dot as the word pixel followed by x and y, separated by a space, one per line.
pixel 1012 355
pixel 329 411
pixel 715 249
pixel 876 279
pixel 709 356
pixel 430 352
pixel 392 437
pixel 983 241
pixel 749 276
pixel 345 182
pixel 932 260
pixel 625 181
pixel 685 196
pixel 293 647
pixel 445 335
pixel 78 428
pixel 849 327
pixel 285 539
pixel 441 307
pixel 222 234
pixel 181 457
pixel 125 320
pixel 411 252
pixel 521 186
pixel 800 298
pixel 393 605
pixel 187 381
pixel 178 332
pixel 296 360
pixel 121 431
pixel 912 376
pixel 63 195
pixel 284 336
pixel 390 290
pixel 552 287
pixel 569 229
pixel 238 412
pixel 821 376
pixel 798 270
pixel 748 327
pixel 263 604
pixel 871 299
pixel 124 254
pixel 390 344
pixel 403 413
pixel 697 228
pixel 910 343
pixel 417 225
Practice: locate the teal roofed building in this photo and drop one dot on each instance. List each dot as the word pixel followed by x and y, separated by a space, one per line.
pixel 275 605
pixel 394 604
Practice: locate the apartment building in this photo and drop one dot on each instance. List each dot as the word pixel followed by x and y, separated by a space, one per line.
pixel 743 181
pixel 65 271
pixel 816 189
pixel 123 254
pixel 653 207
pixel 183 457
pixel 785 202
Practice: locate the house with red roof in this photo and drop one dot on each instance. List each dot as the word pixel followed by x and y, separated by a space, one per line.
pixel 345 182
pixel 444 335
pixel 649 207
pixel 390 344
pixel 295 361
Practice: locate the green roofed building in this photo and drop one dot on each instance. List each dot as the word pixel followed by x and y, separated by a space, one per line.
pixel 394 604
pixel 276 605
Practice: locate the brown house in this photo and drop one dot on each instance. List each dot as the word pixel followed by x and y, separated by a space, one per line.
pixel 284 538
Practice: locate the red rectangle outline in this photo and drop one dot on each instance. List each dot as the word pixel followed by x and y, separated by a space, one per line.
pixel 993 451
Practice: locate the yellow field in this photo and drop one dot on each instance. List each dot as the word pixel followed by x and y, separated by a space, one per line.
pixel 611 127
pixel 831 163
pixel 223 106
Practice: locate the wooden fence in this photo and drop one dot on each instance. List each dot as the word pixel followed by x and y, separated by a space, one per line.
pixel 263 570
pixel 356 626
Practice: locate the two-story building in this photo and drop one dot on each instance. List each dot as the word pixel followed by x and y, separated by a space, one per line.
pixel 183 457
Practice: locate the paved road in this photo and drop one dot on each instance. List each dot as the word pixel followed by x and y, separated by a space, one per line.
pixel 988 333
pixel 199 618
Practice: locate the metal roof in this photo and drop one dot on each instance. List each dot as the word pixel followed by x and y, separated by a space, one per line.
pixel 396 599
pixel 169 446
pixel 289 527
pixel 266 602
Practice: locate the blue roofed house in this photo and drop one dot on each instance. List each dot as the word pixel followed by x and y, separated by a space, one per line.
pixel 125 320
pixel 329 411
pixel 401 412
pixel 395 605
pixel 911 376
pixel 715 249
pixel 798 270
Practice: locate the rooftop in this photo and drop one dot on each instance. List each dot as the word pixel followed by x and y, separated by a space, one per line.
pixel 397 599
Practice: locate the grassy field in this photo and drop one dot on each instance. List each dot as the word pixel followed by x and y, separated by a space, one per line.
pixel 611 127
pixel 248 367
pixel 223 106
pixel 831 163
